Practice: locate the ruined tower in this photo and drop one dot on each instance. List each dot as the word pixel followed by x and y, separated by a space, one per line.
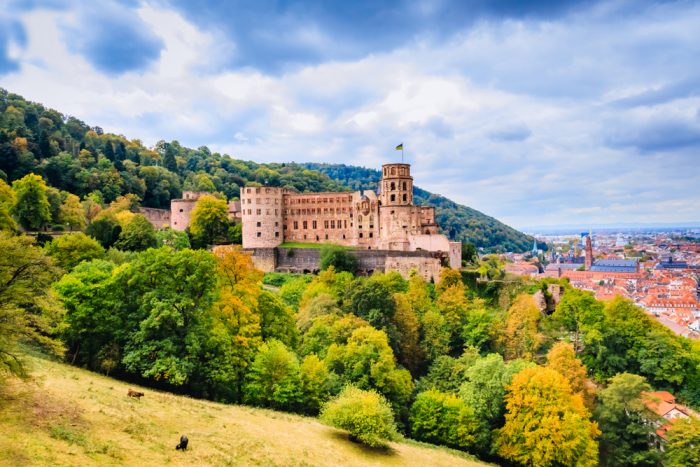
pixel 262 215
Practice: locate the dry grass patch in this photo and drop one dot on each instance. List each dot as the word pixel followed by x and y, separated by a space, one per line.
pixel 68 416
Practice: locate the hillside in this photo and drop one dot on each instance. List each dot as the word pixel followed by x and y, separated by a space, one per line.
pixel 81 159
pixel 69 416
pixel 459 222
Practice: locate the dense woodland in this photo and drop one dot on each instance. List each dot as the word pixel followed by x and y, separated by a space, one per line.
pixel 84 161
pixel 476 365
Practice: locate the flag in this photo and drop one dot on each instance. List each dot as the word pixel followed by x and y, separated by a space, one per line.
pixel 399 147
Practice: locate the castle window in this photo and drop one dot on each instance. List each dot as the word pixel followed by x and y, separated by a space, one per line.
pixel 359 218
pixel 277 234
pixel 305 225
pixel 325 224
pixel 250 211
pixel 317 238
pixel 267 211
pixel 393 186
pixel 404 186
pixel 326 236
pixel 404 197
pixel 276 212
pixel 257 200
pixel 182 210
pixel 313 224
pixel 346 224
pixel 257 224
pixel 393 197
pixel 267 200
pixel 304 236
pixel 360 234
pixel 259 235
pixel 296 225
pixel 258 212
pixel 277 223
pixel 332 224
pixel 371 234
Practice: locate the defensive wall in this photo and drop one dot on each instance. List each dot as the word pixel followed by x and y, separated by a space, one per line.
pixel 307 260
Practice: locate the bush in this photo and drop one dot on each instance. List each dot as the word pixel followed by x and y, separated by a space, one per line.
pixel 338 257
pixel 366 416
pixel 440 418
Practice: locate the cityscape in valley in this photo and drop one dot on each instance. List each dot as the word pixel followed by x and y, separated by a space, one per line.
pixel 350 233
pixel 659 270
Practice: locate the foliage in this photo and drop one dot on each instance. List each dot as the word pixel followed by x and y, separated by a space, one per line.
pixel 364 414
pixel 408 330
pixel 7 203
pixel 28 309
pixel 562 359
pixel 339 257
pixel 441 418
pixel 372 301
pixel 521 337
pixel 314 384
pixel 31 207
pixel 105 229
pixel 683 443
pixel 175 239
pixel 274 378
pixel 578 313
pixel 71 212
pixel 137 235
pixel 71 249
pixel 447 374
pixel 209 222
pixel 562 433
pixel 436 335
pixel 276 320
pixel 626 422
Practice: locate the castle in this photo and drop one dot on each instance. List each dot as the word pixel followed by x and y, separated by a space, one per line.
pixel 364 220
pixel 386 230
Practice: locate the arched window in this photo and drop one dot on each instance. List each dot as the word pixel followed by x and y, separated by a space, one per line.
pixel 393 186
pixel 404 197
pixel 359 218
pixel 393 197
pixel 404 186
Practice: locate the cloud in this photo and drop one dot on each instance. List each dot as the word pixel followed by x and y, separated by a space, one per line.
pixel 658 135
pixel 113 38
pixel 12 36
pixel 511 133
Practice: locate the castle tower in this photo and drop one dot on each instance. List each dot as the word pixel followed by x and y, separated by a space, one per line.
pixel 589 252
pixel 396 185
pixel 262 214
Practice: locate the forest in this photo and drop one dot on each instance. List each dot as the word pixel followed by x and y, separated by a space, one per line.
pixel 477 361
pixel 84 161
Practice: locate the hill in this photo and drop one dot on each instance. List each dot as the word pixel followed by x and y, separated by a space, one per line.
pixel 460 223
pixel 69 416
pixel 77 158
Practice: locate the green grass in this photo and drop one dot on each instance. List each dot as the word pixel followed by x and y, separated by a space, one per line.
pixel 68 416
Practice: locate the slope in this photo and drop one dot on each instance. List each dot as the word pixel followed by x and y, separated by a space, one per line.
pixel 69 416
pixel 460 223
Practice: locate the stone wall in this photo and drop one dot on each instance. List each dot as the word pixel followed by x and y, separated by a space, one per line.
pixel 159 218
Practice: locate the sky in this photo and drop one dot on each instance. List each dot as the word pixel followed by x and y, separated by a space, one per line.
pixel 537 113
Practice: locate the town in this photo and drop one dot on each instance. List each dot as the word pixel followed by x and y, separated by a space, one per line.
pixel 659 270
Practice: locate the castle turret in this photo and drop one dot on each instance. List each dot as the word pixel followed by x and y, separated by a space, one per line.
pixel 262 213
pixel 396 185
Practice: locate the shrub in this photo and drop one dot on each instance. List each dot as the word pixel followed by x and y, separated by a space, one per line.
pixel 366 416
pixel 338 257
pixel 440 418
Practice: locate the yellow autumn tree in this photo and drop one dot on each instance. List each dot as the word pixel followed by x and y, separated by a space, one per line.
pixel 408 328
pixel 521 338
pixel 546 423
pixel 562 359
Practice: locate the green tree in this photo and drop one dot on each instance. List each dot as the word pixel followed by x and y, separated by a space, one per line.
pixel 683 446
pixel 175 239
pixel 441 418
pixel 210 222
pixel 274 378
pixel 436 335
pixel 138 235
pixel 314 384
pixel 339 257
pixel 447 374
pixel 28 309
pixel 373 301
pixel 408 331
pixel 367 362
pixel 546 423
pixel 276 320
pixel 72 213
pixel 521 337
pixel 32 206
pixel 364 414
pixel 105 229
pixel 71 249
pixel 174 293
pixel 7 203
pixel 578 313
pixel 626 422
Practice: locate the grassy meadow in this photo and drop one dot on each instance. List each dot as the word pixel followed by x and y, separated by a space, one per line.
pixel 68 416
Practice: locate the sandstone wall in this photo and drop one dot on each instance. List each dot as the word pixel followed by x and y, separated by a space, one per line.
pixel 159 218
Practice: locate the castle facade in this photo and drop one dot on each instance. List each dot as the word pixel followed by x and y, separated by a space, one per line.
pixel 388 221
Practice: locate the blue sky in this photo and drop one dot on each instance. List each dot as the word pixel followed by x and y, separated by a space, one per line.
pixel 537 113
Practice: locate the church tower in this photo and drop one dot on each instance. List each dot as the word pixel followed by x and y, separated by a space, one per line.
pixel 589 253
pixel 396 185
